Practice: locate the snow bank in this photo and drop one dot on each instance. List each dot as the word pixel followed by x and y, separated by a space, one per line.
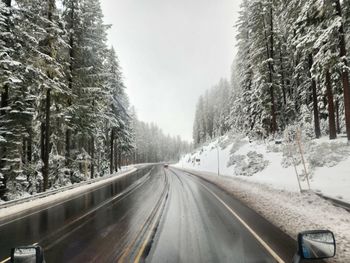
pixel 271 164
pixel 292 212
pixel 263 174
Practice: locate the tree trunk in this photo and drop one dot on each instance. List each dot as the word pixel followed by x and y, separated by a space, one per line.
pixel 120 160
pixel 47 140
pixel 270 55
pixel 331 115
pixel 116 156
pixel 99 163
pixel 30 146
pixel 337 116
pixel 24 150
pixel 42 141
pixel 111 162
pixel 4 100
pixel 315 100
pixel 70 79
pixel 42 149
pixel 273 106
pixel 50 10
pixel 92 154
pixel 295 89
pixel 345 75
pixel 135 156
pixel 4 103
pixel 3 147
pixel 282 78
pixel 68 146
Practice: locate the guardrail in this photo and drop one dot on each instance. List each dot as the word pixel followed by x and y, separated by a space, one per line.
pixel 64 188
pixel 336 202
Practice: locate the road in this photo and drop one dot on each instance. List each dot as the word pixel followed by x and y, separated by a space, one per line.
pixel 164 216
pixel 317 248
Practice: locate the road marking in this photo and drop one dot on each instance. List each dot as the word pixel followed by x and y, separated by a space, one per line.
pixel 9 258
pixel 144 225
pixel 145 243
pixel 261 241
pixel 123 194
pixel 72 196
pixel 142 249
pixel 105 204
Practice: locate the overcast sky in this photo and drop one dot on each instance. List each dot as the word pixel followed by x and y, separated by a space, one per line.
pixel 171 51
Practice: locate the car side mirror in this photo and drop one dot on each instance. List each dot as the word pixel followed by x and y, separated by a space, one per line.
pixel 316 244
pixel 28 254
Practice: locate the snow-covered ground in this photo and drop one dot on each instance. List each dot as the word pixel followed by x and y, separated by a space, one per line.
pixel 327 163
pixel 264 176
pixel 56 197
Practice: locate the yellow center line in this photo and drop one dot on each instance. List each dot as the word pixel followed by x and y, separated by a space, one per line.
pixel 136 237
pixel 142 249
pixel 130 246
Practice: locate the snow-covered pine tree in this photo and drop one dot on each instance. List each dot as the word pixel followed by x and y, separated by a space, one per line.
pixel 220 96
pixel 53 95
pixel 243 106
pixel 12 103
pixel 344 59
pixel 200 125
pixel 292 57
pixel 154 146
pixel 302 36
pixel 71 16
pixel 235 119
pixel 116 110
pixel 265 86
pixel 52 84
pixel 327 59
pixel 86 65
pixel 196 127
pixel 17 115
pixel 286 11
pixel 212 117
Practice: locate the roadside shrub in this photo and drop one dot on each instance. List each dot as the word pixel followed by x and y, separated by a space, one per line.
pixel 327 154
pixel 253 163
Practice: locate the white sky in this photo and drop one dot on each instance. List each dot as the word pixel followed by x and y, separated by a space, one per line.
pixel 171 51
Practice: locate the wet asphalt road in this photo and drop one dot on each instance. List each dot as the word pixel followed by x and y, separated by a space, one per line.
pixel 165 216
pixel 196 227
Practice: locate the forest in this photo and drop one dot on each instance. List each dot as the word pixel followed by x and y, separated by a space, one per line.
pixel 65 116
pixel 291 69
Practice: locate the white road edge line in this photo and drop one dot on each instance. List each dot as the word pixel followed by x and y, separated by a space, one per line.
pixel 262 242
pixel 9 258
pixel 74 196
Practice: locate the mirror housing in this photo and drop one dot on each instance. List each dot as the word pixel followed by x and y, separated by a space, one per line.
pixel 316 244
pixel 27 254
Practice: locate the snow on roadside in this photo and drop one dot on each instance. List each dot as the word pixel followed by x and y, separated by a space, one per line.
pixel 264 176
pixel 327 162
pixel 292 212
pixel 60 196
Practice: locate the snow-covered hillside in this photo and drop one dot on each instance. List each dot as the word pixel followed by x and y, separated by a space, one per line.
pixel 276 163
